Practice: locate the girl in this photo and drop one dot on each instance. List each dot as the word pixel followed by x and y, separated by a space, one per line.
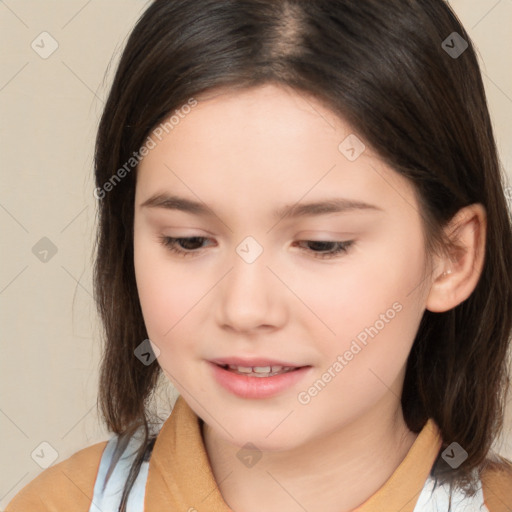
pixel 303 227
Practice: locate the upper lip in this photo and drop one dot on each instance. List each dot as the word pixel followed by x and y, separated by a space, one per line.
pixel 250 362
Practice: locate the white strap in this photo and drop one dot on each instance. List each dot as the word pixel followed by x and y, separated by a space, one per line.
pixel 108 499
pixel 438 500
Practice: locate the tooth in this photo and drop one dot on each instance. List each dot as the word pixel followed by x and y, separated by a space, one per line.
pixel 261 369
pixel 243 369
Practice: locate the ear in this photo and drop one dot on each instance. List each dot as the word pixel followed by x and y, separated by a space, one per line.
pixel 457 274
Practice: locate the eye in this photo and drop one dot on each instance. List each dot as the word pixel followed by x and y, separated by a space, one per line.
pixel 188 246
pixel 172 244
pixel 339 247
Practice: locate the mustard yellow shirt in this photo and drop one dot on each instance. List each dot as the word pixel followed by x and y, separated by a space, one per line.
pixel 180 476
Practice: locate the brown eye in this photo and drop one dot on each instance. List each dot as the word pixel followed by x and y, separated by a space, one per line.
pixel 320 248
pixel 184 246
pixel 188 246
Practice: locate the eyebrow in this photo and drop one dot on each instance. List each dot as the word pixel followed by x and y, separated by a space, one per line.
pixel 326 206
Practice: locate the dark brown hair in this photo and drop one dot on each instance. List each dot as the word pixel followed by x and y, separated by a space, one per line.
pixel 381 66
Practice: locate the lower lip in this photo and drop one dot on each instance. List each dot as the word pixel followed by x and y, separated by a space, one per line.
pixel 257 387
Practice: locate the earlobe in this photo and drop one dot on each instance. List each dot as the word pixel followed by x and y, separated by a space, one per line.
pixel 461 269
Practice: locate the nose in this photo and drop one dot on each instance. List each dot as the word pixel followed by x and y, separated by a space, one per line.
pixel 250 297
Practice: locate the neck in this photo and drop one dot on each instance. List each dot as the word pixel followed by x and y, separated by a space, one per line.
pixel 334 473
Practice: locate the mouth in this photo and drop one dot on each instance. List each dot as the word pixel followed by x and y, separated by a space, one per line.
pixel 259 371
pixel 256 382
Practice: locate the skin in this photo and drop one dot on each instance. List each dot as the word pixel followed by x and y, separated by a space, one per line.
pixel 244 154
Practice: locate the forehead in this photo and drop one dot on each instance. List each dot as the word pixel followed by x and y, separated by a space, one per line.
pixel 262 144
pixel 243 123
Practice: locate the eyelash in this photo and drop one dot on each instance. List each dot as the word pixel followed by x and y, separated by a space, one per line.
pixel 170 244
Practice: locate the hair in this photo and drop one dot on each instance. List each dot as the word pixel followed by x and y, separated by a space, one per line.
pixel 423 111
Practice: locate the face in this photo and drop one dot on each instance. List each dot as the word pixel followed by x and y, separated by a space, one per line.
pixel 338 292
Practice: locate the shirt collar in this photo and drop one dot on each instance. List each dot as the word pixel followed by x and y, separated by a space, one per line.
pixel 180 475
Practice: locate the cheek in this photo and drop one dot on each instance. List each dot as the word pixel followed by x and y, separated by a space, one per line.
pixel 370 309
pixel 349 296
pixel 162 289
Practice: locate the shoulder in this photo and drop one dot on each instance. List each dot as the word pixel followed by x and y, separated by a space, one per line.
pixel 496 480
pixel 68 484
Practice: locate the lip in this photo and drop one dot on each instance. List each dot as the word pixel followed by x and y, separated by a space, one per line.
pixel 252 362
pixel 246 386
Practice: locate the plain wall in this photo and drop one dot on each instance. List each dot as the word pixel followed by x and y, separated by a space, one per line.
pixel 49 113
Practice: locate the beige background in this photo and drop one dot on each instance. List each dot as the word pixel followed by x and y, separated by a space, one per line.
pixel 49 113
